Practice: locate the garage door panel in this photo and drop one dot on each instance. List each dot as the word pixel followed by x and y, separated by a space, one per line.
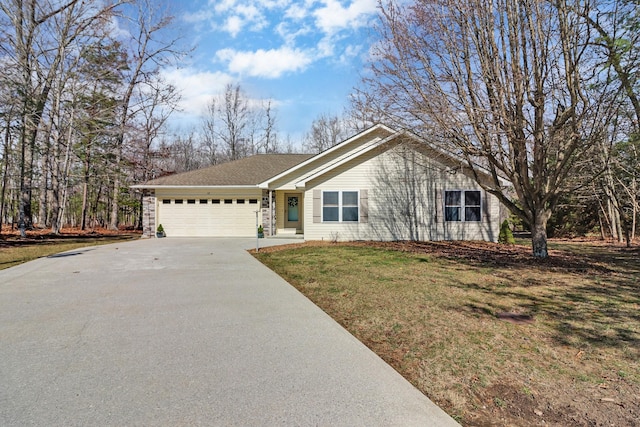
pixel 199 219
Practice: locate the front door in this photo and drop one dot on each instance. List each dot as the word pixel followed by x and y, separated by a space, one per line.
pixel 292 211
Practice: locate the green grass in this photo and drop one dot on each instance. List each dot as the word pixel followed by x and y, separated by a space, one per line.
pixel 433 318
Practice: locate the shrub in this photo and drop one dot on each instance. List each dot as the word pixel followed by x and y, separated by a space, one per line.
pixel 506 235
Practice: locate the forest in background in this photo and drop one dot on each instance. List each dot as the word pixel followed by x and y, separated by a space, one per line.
pixel 84 112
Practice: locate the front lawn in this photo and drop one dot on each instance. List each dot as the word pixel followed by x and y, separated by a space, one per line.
pixel 491 335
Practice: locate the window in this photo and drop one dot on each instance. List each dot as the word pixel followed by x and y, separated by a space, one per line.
pixel 350 206
pixel 191 201
pixel 472 211
pixel 215 201
pixel 203 201
pixel 240 201
pixel 166 201
pixel 452 206
pixel 253 201
pixel 462 206
pixel 228 201
pixel 178 201
pixel 340 206
pixel 330 206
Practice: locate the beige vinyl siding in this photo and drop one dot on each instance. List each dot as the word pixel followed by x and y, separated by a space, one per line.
pixel 289 182
pixel 208 220
pixel 402 188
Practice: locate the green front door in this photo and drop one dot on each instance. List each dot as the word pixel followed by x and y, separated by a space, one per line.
pixel 292 211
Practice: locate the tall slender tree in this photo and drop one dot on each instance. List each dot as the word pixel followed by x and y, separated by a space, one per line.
pixel 41 36
pixel 152 45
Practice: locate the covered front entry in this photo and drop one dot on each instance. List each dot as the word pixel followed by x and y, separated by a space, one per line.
pixel 289 206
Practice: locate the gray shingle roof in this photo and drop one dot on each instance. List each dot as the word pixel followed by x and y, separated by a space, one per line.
pixel 248 171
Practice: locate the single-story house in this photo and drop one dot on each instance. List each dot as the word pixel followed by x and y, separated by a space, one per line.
pixel 377 185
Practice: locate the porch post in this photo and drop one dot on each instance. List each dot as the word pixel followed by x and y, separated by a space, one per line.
pixel 271 225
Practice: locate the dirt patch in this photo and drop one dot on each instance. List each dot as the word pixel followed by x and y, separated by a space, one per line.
pixel 504 404
pixel 517 318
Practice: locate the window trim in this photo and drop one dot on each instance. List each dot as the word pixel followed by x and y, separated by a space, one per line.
pixel 340 206
pixel 462 206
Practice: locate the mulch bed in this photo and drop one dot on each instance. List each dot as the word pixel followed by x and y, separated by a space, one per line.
pixel 483 253
pixel 10 237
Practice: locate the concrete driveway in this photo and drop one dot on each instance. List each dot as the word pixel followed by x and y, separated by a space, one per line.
pixel 184 332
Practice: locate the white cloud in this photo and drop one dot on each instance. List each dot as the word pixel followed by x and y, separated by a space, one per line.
pixel 197 87
pixel 116 30
pixel 271 63
pixel 237 17
pixel 289 34
pixel 198 16
pixel 233 25
pixel 349 53
pixel 297 12
pixel 334 17
pixel 222 6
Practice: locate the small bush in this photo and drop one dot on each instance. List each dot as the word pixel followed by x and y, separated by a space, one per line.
pixel 506 235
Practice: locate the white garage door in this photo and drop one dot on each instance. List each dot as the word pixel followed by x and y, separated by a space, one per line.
pixel 225 217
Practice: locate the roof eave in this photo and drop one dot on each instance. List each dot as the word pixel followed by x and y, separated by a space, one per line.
pixel 229 187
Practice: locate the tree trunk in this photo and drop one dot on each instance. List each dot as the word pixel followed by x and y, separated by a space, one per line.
pixel 85 195
pixel 5 173
pixel 539 234
pixel 85 187
pixel 115 206
pixel 634 214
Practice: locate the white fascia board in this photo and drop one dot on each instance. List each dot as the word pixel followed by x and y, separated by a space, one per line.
pixel 265 184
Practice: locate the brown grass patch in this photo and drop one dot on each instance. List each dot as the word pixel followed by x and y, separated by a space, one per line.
pixel 436 312
pixel 15 250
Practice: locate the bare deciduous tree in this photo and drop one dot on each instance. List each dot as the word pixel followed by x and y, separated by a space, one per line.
pixel 40 38
pixel 235 126
pixel 326 131
pixel 152 47
pixel 234 118
pixel 502 83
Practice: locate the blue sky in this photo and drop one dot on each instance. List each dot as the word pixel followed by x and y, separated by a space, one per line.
pixel 304 55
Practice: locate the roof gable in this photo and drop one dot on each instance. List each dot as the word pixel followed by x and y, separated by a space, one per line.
pixel 348 148
pixel 376 137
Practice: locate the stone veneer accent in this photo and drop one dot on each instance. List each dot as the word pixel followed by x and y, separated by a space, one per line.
pixel 148 213
pixel 266 213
